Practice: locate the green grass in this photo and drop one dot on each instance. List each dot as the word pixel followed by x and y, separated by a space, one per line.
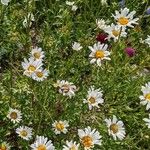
pixel 56 27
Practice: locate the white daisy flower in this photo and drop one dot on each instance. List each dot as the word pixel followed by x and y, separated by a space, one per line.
pixel 115 128
pixel 31 65
pixel 69 3
pixel 99 53
pixel 5 2
pixel 147 40
pixel 101 24
pixel 5 146
pixel 71 146
pixel 76 46
pixel 40 75
pixel 42 143
pixel 94 97
pixel 14 115
pixel 89 138
pixel 24 132
pixel 147 120
pixel 66 88
pixel 114 31
pixel 74 8
pixel 125 18
pixel 37 53
pixel 28 20
pixel 104 2
pixel 145 98
pixel 60 127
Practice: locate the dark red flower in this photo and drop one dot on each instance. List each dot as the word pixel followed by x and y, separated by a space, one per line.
pixel 102 37
pixel 130 51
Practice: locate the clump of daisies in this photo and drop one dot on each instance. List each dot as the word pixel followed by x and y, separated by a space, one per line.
pixel 124 18
pixel 33 67
pixel 94 98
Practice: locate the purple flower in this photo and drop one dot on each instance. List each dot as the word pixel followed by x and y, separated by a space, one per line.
pixel 130 51
pixel 102 37
pixel 148 11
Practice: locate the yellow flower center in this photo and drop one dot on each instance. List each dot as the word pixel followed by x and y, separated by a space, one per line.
pixel 3 147
pixel 147 96
pixel 92 100
pixel 87 141
pixel 123 21
pixel 13 115
pixel 37 55
pixel 31 68
pixel 39 74
pixel 115 33
pixel 65 88
pixel 114 128
pixel 99 54
pixel 42 147
pixel 73 148
pixel 60 126
pixel 23 133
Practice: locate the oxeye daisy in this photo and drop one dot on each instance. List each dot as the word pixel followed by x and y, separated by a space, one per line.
pixel 94 97
pixel 60 127
pixel 101 24
pixel 147 120
pixel 42 143
pixel 76 46
pixel 66 88
pixel 40 74
pixel 4 146
pixel 30 66
pixel 14 115
pixel 147 40
pixel 89 138
pixel 5 2
pixel 124 18
pixel 115 31
pixel 37 53
pixel 71 146
pixel 145 98
pixel 115 128
pixel 24 132
pixel 99 53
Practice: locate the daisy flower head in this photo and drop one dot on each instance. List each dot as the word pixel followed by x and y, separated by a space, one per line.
pixel 101 24
pixel 94 98
pixel 115 128
pixel 69 3
pixel 147 40
pixel 125 18
pixel 5 2
pixel 42 143
pixel 60 127
pixel 4 146
pixel 71 146
pixel 31 65
pixel 145 98
pixel 14 115
pixel 89 138
pixel 99 53
pixel 147 120
pixel 40 75
pixel 76 46
pixel 24 132
pixel 115 31
pixel 66 88
pixel 37 53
